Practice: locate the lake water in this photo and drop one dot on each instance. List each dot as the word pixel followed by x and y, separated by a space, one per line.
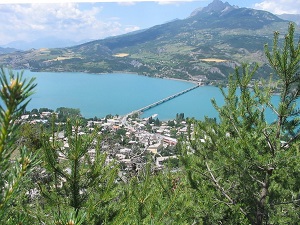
pixel 103 94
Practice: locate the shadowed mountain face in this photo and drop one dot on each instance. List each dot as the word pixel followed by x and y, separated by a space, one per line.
pixel 215 15
pixel 208 45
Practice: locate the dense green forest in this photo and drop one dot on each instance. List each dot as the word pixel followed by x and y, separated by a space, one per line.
pixel 239 169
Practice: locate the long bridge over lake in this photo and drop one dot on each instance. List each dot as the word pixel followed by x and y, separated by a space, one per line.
pixel 141 110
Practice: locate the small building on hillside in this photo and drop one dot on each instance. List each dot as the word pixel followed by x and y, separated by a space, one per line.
pixel 155 147
pixel 170 141
pixel 159 160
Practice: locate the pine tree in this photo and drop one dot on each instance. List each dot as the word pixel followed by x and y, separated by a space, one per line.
pixel 15 164
pixel 246 166
pixel 156 198
pixel 83 185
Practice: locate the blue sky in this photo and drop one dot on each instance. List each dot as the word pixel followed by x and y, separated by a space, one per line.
pixel 85 20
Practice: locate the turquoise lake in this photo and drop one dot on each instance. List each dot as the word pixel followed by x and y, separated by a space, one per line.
pixel 103 94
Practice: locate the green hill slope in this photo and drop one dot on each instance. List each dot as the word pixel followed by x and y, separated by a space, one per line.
pixel 207 45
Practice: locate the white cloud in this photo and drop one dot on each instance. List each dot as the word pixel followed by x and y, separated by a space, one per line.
pixel 127 3
pixel 176 2
pixel 279 6
pixel 65 20
pixel 131 28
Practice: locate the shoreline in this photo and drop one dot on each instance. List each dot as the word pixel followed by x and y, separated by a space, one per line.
pixel 115 72
pixel 167 78
pixel 178 79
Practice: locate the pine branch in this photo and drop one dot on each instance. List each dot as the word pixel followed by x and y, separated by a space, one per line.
pixel 222 190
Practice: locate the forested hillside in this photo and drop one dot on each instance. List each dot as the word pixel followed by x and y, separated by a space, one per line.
pixel 207 46
pixel 239 169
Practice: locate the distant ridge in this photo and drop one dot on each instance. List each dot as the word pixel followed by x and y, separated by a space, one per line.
pixel 292 17
pixel 7 50
pixel 46 42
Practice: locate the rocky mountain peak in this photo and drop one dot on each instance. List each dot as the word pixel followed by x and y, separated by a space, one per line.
pixel 215 6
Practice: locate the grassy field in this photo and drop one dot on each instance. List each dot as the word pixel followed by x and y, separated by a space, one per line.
pixel 121 55
pixel 213 60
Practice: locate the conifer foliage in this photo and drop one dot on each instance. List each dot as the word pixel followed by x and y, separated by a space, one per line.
pixel 83 183
pixel 15 92
pixel 247 165
pixel 156 198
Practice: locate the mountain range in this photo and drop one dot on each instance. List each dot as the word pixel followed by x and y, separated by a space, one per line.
pixel 5 50
pixel 207 45
pixel 292 17
pixel 45 42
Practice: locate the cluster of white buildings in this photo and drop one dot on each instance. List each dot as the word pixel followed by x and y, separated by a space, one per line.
pixel 142 138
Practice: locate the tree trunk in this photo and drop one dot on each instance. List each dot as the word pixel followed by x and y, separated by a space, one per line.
pixel 261 204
